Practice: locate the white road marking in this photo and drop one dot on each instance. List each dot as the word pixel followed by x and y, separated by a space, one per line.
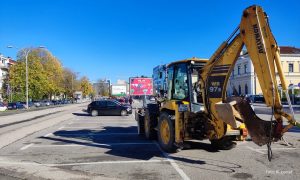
pixel 85 163
pixel 87 143
pixel 81 128
pixel 274 148
pixel 94 134
pixel 173 164
pixel 47 135
pixel 240 143
pixel 61 128
pixel 26 147
pixel 104 123
pixel 255 150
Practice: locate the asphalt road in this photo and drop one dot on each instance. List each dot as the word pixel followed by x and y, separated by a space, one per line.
pixel 73 145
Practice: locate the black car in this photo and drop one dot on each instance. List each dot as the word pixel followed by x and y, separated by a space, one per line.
pixel 108 107
pixel 15 105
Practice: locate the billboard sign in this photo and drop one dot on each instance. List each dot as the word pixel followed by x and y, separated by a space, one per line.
pixel 141 86
pixel 118 90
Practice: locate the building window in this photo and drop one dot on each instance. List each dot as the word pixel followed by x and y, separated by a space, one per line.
pixel 239 70
pixel 245 68
pixel 291 67
pixel 246 89
pixel 240 90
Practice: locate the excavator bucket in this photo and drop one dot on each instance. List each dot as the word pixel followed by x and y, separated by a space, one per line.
pixel 260 130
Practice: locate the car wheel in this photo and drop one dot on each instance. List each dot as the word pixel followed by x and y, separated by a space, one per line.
pixel 123 113
pixel 94 113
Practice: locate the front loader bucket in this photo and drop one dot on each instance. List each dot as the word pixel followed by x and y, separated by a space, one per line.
pixel 258 129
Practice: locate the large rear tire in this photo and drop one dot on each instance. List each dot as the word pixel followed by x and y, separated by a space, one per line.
pixel 166 133
pixel 149 126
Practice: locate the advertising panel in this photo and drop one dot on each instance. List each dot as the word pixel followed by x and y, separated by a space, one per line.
pixel 141 86
pixel 118 90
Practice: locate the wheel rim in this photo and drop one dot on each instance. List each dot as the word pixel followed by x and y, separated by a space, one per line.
pixel 165 132
pixel 94 113
pixel 123 113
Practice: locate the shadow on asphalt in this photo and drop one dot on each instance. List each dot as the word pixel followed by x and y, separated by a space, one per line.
pixel 87 114
pixel 212 164
pixel 81 114
pixel 134 146
pixel 122 141
pixel 200 145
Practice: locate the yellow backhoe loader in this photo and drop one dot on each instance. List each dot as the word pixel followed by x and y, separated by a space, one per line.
pixel 196 106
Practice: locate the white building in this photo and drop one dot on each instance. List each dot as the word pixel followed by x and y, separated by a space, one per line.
pixel 5 63
pixel 243 78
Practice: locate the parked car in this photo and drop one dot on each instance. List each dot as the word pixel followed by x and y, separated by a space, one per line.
pixel 108 107
pixel 257 98
pixel 3 107
pixel 15 105
pixel 30 104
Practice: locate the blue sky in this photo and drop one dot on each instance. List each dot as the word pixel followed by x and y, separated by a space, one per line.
pixel 117 39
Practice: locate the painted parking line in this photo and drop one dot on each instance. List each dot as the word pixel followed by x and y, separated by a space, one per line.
pixel 87 143
pixel 26 147
pixel 90 134
pixel 274 148
pixel 84 163
pixel 79 127
pixel 255 150
pixel 261 151
pixel 104 123
pixel 173 163
pixel 49 134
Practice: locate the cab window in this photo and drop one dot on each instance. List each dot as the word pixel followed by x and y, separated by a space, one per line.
pixel 181 91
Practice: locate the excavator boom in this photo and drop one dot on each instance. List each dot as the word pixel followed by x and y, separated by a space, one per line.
pixel 255 34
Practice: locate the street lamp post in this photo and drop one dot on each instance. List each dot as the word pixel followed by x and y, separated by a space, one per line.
pixel 26 52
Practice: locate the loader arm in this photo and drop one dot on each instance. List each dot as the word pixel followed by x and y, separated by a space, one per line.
pixel 253 32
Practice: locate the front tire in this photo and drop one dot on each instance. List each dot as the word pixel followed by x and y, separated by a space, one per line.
pixel 166 133
pixel 94 113
pixel 123 113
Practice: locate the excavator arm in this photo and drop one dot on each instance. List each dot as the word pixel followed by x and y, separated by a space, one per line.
pixel 254 33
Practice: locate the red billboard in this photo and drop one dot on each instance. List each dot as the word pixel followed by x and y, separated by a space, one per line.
pixel 141 86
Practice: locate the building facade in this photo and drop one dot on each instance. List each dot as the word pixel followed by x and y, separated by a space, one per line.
pixel 244 80
pixel 5 63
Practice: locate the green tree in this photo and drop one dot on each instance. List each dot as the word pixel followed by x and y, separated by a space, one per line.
pixel 37 80
pixel 5 90
pixel 54 73
pixel 86 87
pixel 17 81
pixel 69 82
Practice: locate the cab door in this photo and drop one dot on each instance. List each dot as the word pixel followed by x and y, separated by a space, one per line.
pixel 178 82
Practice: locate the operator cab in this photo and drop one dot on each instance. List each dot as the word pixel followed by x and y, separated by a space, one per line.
pixel 183 79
